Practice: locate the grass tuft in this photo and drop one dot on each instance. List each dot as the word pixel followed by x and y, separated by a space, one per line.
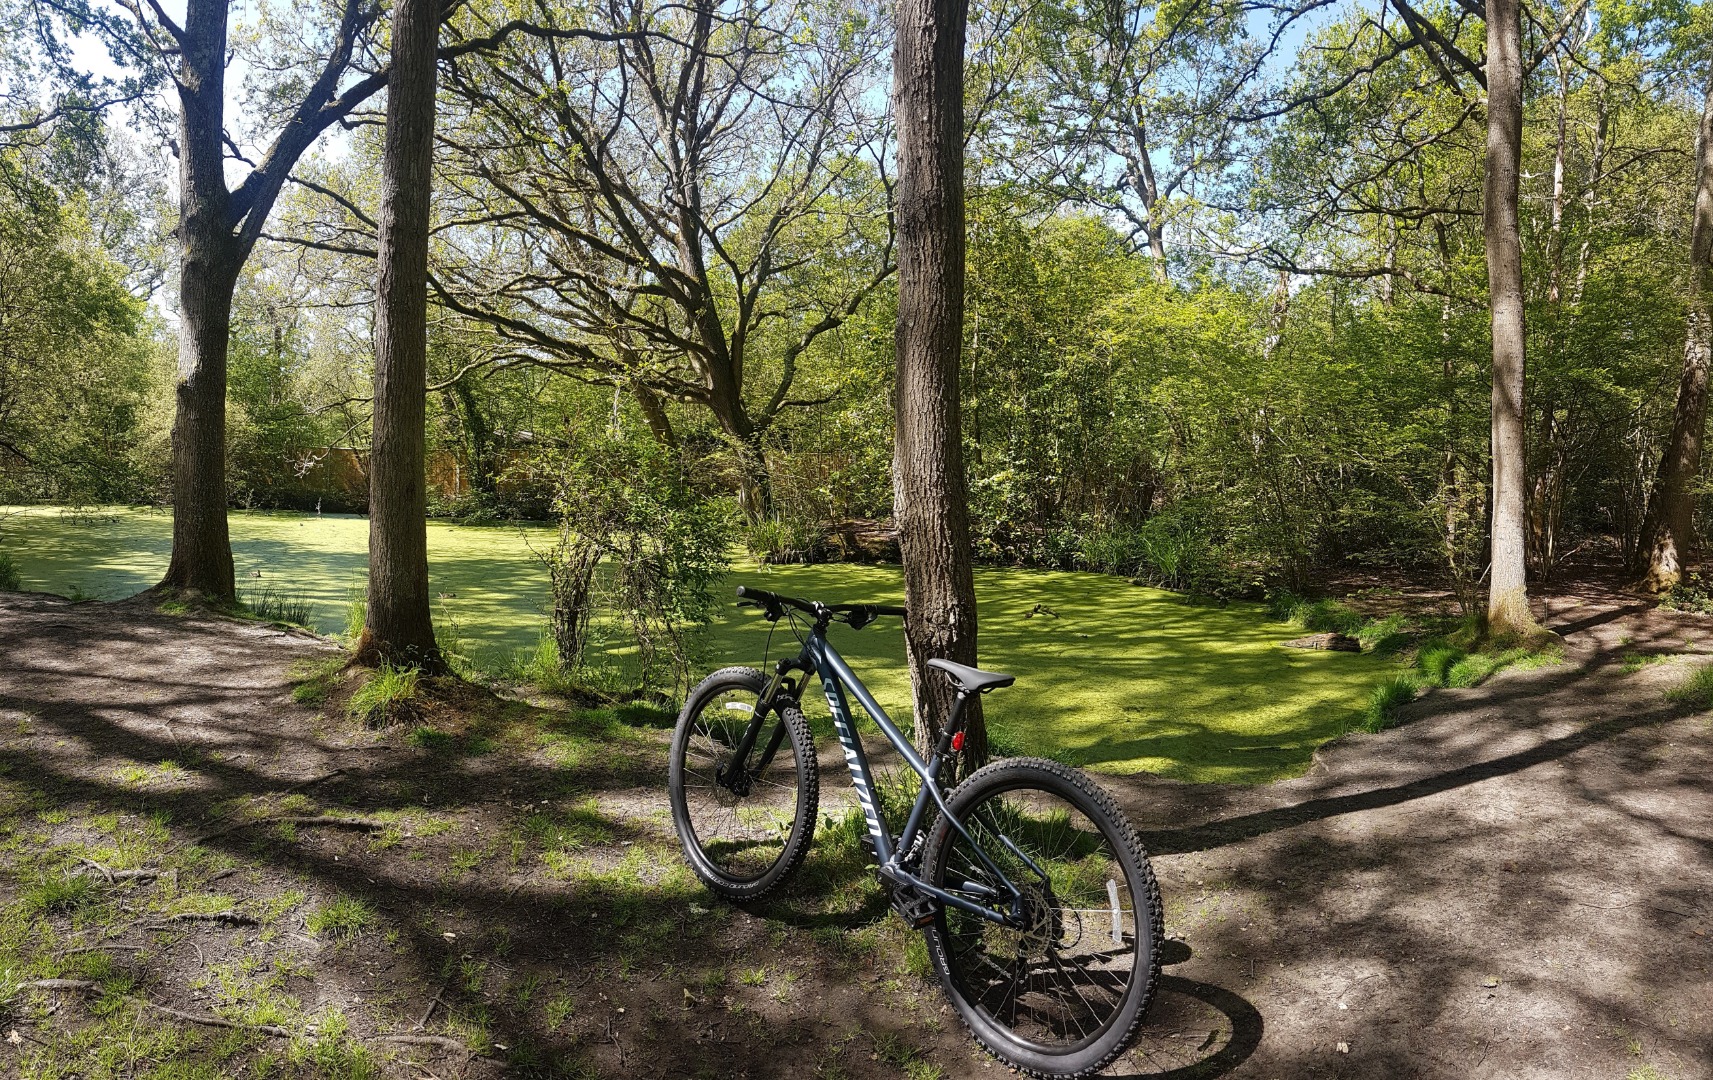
pixel 385 697
pixel 273 607
pixel 1696 689
pixel 343 917
pixel 59 894
pixel 10 578
pixel 1386 699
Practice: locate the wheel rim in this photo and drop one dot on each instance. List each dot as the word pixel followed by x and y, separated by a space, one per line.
pixel 1060 980
pixel 741 834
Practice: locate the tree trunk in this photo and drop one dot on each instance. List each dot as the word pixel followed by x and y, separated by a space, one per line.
pixel 210 257
pixel 1667 535
pixel 929 497
pixel 400 627
pixel 201 546
pixel 1507 597
pixel 217 229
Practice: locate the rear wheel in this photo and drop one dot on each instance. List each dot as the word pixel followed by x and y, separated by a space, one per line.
pixel 742 833
pixel 1063 993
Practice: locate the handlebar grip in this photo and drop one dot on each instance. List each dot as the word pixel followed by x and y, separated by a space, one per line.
pixel 888 609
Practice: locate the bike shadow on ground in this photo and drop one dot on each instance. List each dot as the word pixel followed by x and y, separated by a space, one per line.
pixel 1193 1029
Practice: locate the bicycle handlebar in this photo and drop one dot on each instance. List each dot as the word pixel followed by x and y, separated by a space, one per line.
pixel 858 615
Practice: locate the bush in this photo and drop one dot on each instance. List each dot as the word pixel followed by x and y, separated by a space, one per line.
pixel 779 540
pixel 1691 594
pixel 10 579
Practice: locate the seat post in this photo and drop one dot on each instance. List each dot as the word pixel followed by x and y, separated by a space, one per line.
pixel 953 723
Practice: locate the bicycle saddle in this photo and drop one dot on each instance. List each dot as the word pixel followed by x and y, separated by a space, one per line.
pixel 972 679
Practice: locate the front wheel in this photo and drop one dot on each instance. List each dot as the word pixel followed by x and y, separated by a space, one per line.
pixel 743 828
pixel 1062 991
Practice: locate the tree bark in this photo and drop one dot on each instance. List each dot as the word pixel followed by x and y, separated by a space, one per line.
pixel 217 229
pixel 929 497
pixel 1669 530
pixel 209 260
pixel 1507 597
pixel 399 627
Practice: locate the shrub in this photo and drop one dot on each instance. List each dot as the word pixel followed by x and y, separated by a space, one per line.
pixel 1691 593
pixel 1112 549
pixel 10 579
pixel 779 540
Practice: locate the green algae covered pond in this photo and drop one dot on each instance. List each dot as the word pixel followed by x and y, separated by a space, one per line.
pixel 1119 678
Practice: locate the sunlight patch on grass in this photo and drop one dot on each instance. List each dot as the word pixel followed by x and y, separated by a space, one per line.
pixel 1119 677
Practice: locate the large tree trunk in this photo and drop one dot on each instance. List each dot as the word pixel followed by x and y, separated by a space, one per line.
pixel 399 627
pixel 1507 597
pixel 1667 535
pixel 210 257
pixel 929 498
pixel 217 229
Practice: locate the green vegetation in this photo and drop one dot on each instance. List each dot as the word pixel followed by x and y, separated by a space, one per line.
pixel 344 916
pixel 384 697
pixel 1125 678
pixel 1696 688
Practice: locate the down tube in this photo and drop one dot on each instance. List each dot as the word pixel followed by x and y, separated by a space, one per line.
pixel 855 758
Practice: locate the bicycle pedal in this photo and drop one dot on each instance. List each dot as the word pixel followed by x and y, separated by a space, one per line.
pixel 917 909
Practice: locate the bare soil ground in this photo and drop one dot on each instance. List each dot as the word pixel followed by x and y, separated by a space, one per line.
pixel 202 876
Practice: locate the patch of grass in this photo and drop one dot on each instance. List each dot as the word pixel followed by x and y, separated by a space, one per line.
pixel 56 894
pixel 313 681
pixel 1386 699
pixel 558 1010
pixel 274 607
pixel 356 615
pixel 345 916
pixel 385 696
pixel 11 579
pixel 1696 688
pixel 1632 662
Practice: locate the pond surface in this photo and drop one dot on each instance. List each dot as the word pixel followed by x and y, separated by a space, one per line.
pixel 1111 675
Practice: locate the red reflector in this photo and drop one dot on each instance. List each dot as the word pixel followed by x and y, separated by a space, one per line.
pixel 958 741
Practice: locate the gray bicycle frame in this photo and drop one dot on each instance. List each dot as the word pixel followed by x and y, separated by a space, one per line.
pixel 836 676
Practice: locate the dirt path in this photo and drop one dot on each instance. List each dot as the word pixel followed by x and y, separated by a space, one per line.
pixel 1518 882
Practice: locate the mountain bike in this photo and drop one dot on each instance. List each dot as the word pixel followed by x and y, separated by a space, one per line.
pixel 1041 913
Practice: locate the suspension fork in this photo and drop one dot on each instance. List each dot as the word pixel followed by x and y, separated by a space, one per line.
pixel 736 771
